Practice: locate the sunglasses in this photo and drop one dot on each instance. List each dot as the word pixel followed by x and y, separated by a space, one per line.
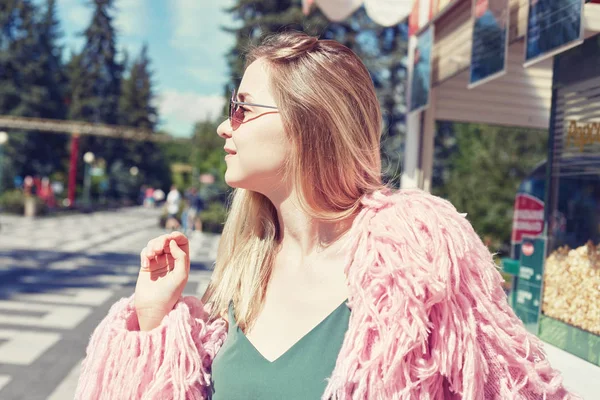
pixel 237 113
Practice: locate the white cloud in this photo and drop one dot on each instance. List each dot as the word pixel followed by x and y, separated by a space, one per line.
pixel 183 109
pixel 206 74
pixel 189 18
pixel 197 34
pixel 76 13
pixel 130 17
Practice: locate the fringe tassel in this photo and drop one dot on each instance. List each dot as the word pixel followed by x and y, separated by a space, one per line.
pixel 429 317
pixel 170 362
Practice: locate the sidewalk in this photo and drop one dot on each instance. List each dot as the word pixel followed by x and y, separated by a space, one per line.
pixel 579 375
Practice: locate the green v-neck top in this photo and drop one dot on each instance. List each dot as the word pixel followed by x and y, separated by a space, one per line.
pixel 240 372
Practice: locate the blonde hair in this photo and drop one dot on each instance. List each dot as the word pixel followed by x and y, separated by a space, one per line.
pixel 332 118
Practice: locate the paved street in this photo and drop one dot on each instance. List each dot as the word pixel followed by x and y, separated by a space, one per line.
pixel 58 278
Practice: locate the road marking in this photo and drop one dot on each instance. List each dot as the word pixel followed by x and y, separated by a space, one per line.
pixel 67 388
pixel 203 279
pixel 214 247
pixel 199 276
pixel 65 317
pixel 87 297
pixel 24 347
pixel 201 289
pixel 50 279
pixel 4 379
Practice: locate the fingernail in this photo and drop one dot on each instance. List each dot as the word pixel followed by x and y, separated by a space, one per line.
pixel 145 264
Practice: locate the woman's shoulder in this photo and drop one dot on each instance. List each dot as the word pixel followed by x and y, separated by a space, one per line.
pixel 411 226
pixel 413 209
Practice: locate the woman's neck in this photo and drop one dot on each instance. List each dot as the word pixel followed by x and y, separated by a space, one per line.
pixel 303 236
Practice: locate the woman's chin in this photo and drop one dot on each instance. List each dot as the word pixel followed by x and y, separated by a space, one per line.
pixel 232 181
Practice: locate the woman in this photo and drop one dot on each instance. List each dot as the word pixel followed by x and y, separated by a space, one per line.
pixel 326 284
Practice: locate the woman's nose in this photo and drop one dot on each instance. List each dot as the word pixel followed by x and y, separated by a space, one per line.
pixel 224 129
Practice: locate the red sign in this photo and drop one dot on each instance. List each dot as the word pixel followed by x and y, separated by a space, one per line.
pixel 528 218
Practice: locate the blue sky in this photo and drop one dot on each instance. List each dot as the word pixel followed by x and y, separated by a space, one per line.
pixel 185 44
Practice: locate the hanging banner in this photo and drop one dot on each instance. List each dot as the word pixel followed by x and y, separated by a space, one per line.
pixel 334 10
pixel 421 71
pixel 413 19
pixel 553 26
pixel 424 7
pixel 489 48
pixel 388 12
pixel 439 6
pixel 382 12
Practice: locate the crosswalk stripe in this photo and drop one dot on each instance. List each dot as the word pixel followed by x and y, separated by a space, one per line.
pixel 65 317
pixel 24 347
pixel 4 379
pixel 87 297
pixel 78 280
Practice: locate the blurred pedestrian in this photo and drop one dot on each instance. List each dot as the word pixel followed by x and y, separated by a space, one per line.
pixel 29 194
pixel 190 216
pixel 159 196
pixel 46 193
pixel 173 204
pixel 142 195
pixel 149 197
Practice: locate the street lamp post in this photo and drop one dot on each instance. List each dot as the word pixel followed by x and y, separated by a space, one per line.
pixel 134 171
pixel 3 140
pixel 88 158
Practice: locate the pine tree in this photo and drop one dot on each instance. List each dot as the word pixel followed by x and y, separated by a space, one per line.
pixel 54 78
pixel 31 85
pixel 97 75
pixel 137 109
pixel 95 85
pixel 136 106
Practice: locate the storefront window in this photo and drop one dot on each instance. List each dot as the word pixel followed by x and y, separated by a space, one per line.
pixel 570 309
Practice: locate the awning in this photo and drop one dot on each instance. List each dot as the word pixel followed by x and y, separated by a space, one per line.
pixel 383 12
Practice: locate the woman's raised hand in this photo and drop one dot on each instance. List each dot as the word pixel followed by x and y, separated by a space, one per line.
pixel 164 272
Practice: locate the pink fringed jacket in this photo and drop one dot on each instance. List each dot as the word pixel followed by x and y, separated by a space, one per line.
pixel 429 320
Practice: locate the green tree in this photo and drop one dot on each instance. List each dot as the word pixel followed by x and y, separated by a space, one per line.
pixel 95 85
pixel 136 106
pixel 207 153
pixel 207 157
pixel 176 152
pixel 137 109
pixel 31 85
pixel 483 172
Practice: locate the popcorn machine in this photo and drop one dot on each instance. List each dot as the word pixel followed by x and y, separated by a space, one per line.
pixel 555 256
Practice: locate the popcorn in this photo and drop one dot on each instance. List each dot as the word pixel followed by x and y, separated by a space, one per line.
pixel 572 286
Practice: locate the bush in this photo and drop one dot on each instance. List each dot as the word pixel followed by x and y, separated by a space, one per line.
pixel 213 218
pixel 13 202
